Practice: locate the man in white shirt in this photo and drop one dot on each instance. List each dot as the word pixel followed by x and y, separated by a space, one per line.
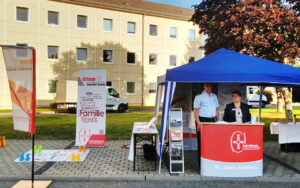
pixel 205 110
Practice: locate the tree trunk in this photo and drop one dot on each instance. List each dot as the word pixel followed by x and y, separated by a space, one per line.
pixel 279 100
pixel 288 98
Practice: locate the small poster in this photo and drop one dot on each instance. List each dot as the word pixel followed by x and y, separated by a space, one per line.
pixel 176 135
pixel 176 149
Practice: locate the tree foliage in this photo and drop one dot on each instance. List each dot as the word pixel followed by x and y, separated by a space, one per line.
pixel 264 28
pixel 294 4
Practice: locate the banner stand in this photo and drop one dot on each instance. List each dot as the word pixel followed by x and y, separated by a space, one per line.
pixel 91 108
pixel 20 63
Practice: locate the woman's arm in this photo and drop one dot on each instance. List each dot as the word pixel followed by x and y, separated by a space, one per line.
pixel 226 114
pixel 246 113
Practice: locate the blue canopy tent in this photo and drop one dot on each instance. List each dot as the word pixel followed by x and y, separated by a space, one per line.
pixel 226 66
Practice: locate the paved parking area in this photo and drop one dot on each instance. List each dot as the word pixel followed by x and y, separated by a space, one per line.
pixel 110 163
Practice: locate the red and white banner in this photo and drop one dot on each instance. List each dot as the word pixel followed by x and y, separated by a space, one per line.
pixel 231 150
pixel 91 107
pixel 20 67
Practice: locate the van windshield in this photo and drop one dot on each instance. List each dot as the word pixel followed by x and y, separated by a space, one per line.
pixel 112 92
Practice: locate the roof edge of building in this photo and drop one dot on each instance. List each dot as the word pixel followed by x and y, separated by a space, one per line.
pixel 127 9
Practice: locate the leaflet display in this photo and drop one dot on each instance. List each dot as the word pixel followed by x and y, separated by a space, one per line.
pixel 176 141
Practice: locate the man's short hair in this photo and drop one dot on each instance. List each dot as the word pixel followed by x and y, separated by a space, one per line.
pixel 237 92
pixel 208 84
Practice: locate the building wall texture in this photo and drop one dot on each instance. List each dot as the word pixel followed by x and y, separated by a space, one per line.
pixel 68 37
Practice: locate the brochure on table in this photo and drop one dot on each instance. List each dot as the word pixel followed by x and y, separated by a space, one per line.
pixel 142 128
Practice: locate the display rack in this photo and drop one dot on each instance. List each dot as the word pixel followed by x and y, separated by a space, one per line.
pixel 176 151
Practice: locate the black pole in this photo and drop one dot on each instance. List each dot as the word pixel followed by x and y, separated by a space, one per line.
pixel 32 162
pixel 261 88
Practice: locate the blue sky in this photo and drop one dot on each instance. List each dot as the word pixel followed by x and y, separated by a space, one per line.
pixel 179 3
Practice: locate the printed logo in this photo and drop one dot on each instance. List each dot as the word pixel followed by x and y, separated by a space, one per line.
pixel 89 79
pixel 96 113
pixel 84 135
pixel 238 139
pixel 91 116
pixel 238 143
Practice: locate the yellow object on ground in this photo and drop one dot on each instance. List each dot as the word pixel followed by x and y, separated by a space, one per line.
pixel 28 184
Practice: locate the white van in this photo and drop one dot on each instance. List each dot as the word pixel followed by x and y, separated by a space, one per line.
pixel 66 96
pixel 252 95
pixel 114 101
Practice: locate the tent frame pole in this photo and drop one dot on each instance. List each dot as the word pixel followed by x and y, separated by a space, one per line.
pixel 261 88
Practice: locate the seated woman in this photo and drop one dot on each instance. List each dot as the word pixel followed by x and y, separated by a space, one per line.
pixel 237 111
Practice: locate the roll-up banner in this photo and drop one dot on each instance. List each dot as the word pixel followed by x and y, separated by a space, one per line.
pixel 91 107
pixel 20 66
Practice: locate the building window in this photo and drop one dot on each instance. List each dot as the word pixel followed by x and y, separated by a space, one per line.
pixel 81 54
pixel 52 52
pixel 192 35
pixel 107 56
pixel 21 52
pixel 22 14
pixel 53 18
pixel 173 60
pixel 109 83
pixel 173 32
pixel 153 30
pixel 131 27
pixel 152 87
pixel 130 57
pixel 52 86
pixel 191 59
pixel 152 59
pixel 81 21
pixel 131 88
pixel 107 24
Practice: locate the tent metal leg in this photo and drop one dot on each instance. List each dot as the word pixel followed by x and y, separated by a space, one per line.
pixel 261 88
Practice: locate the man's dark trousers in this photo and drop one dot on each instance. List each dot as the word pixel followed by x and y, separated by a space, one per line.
pixel 202 120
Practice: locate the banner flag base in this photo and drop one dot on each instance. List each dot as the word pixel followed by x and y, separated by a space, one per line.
pixel 28 184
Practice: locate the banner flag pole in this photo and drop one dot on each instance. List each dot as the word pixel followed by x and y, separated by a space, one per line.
pixel 32 167
pixel 33 110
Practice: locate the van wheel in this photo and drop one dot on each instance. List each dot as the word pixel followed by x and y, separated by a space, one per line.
pixel 263 104
pixel 122 108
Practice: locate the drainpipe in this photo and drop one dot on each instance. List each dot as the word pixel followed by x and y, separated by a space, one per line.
pixel 143 33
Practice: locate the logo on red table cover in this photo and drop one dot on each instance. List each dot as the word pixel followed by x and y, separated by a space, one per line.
pixel 238 143
pixel 238 139
pixel 84 135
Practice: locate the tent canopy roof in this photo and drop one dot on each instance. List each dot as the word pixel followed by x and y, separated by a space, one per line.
pixel 226 66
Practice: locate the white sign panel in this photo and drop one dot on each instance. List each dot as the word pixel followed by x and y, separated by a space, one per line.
pixel 91 107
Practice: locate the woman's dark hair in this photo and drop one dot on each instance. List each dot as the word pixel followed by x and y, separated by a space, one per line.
pixel 237 92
